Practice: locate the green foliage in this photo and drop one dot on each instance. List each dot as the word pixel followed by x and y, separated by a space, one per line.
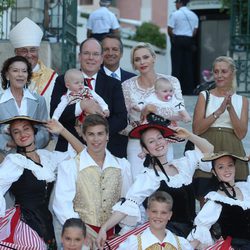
pixel 226 3
pixel 84 15
pixel 149 32
pixel 238 11
pixel 5 4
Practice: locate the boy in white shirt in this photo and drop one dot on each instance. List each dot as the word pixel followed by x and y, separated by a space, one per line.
pixel 159 212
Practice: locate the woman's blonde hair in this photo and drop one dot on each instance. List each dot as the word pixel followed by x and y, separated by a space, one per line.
pixel 232 66
pixel 141 45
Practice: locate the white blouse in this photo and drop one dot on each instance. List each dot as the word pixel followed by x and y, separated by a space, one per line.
pixel 211 211
pixel 224 119
pixel 14 164
pixel 146 183
pixel 23 109
pixel 148 239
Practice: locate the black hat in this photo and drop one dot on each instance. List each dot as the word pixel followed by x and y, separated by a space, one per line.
pixel 182 1
pixel 105 2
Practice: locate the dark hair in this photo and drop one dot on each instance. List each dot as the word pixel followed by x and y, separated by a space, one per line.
pixel 6 66
pixel 213 161
pixel 183 2
pixel 142 137
pixel 74 222
pixel 93 120
pixel 105 3
pixel 89 39
pixel 148 159
pixel 216 184
pixel 152 160
pixel 160 196
pixel 116 37
pixel 18 148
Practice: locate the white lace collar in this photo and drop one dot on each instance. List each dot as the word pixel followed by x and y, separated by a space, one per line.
pixel 41 173
pixel 175 181
pixel 244 188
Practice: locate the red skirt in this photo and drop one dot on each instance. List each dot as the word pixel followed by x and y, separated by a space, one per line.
pixel 221 244
pixel 15 234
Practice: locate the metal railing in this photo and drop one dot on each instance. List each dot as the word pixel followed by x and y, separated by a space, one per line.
pixel 4 20
pixel 52 26
pixel 240 42
pixel 58 19
pixel 54 30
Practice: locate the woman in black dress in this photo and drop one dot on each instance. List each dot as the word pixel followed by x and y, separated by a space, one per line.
pixel 228 205
pixel 29 175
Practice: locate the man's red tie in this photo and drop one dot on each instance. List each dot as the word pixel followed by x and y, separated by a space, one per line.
pixel 88 82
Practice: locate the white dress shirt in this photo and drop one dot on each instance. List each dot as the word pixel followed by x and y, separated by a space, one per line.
pixel 183 22
pixel 102 20
pixel 148 239
pixel 117 72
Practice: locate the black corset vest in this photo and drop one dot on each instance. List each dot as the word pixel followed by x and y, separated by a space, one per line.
pixel 183 208
pixel 234 222
pixel 32 195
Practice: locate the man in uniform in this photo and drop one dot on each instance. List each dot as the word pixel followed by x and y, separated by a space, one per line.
pixel 112 53
pixel 182 28
pixel 102 22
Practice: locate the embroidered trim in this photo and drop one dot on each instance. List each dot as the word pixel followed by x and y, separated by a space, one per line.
pixel 122 200
pixel 47 85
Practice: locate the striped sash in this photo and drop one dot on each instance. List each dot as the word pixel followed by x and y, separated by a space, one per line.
pixel 114 243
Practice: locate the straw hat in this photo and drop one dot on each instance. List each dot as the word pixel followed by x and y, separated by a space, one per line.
pixel 21 117
pixel 215 156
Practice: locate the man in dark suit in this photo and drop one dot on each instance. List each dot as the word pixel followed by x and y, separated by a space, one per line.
pixel 91 58
pixel 112 53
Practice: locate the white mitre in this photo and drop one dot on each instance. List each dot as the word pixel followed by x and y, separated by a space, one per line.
pixel 26 33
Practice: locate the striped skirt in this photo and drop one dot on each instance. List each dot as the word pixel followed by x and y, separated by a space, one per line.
pixel 221 244
pixel 15 234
